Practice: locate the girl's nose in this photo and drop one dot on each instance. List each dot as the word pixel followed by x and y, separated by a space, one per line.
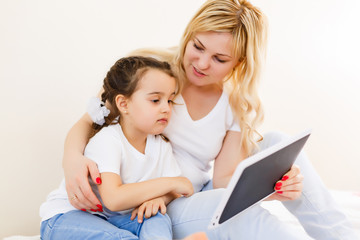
pixel 165 107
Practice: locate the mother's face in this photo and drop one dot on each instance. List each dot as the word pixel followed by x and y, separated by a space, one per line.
pixel 208 58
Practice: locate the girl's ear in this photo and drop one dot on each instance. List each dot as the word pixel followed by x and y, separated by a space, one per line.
pixel 121 103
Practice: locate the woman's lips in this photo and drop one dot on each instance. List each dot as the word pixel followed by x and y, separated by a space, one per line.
pixel 197 72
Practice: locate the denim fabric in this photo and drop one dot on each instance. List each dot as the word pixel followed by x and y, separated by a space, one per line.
pixel 82 225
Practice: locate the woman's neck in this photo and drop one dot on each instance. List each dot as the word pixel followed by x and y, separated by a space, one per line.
pixel 200 100
pixel 208 89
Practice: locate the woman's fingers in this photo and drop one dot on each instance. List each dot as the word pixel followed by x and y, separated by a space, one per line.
pixel 94 172
pixel 290 186
pixel 294 171
pixel 77 184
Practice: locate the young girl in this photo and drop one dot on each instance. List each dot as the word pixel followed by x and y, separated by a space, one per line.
pixel 135 161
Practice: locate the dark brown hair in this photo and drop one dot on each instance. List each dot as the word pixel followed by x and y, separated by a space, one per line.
pixel 123 78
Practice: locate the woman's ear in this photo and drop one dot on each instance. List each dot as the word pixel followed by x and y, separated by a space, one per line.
pixel 121 103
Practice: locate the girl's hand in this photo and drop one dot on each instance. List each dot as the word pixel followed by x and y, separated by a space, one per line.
pixel 78 188
pixel 183 187
pixel 149 208
pixel 289 187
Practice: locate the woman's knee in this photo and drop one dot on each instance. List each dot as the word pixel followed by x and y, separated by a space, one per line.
pixel 272 138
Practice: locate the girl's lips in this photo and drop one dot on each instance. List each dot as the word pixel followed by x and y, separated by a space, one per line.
pixel 197 72
pixel 163 120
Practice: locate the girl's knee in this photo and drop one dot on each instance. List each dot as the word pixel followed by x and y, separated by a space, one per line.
pixel 163 218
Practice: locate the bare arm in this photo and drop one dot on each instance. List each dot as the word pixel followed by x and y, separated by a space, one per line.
pixel 77 167
pixel 117 196
pixel 227 160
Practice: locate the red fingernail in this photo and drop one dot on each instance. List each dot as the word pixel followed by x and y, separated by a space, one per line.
pixel 277 188
pixel 99 206
pixel 284 178
pixel 83 209
pixel 93 210
pixel 280 192
pixel 278 184
pixel 98 180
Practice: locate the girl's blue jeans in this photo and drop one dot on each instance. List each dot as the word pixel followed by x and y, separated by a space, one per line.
pixel 83 225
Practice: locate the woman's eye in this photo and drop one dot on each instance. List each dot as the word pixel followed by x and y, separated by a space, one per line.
pixel 155 100
pixel 219 60
pixel 197 47
pixel 170 101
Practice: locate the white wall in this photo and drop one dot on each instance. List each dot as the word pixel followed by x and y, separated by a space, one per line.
pixel 54 55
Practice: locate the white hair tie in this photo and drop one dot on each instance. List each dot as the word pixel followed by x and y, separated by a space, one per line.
pixel 97 110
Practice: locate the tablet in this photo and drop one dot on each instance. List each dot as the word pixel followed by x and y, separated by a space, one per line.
pixel 255 177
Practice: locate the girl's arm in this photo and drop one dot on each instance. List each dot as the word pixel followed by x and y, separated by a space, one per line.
pixel 77 167
pixel 117 196
pixel 289 188
pixel 153 206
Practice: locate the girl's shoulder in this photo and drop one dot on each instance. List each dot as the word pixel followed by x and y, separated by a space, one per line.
pixel 112 131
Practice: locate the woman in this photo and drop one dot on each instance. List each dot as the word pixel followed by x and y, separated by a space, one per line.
pixel 219 62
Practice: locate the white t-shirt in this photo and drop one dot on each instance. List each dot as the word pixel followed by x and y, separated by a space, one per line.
pixel 197 143
pixel 112 152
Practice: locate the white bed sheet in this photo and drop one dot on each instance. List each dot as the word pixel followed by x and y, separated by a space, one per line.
pixel 349 200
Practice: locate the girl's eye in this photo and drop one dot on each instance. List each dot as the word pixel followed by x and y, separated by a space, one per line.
pixel 155 100
pixel 171 101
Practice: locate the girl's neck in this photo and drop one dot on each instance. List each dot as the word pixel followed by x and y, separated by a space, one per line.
pixel 136 138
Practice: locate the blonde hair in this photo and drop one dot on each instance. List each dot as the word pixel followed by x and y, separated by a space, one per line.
pixel 248 26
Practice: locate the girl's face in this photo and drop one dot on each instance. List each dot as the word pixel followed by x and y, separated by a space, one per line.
pixel 208 58
pixel 149 107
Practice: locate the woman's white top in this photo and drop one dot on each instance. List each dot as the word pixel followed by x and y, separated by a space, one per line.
pixel 112 152
pixel 197 143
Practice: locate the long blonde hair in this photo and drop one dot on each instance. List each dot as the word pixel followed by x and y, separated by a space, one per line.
pixel 248 26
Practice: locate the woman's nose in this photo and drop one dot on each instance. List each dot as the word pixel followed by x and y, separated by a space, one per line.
pixel 203 62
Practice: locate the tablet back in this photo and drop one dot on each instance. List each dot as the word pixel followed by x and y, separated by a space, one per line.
pixel 256 177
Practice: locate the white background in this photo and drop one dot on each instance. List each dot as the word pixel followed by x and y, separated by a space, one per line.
pixel 55 54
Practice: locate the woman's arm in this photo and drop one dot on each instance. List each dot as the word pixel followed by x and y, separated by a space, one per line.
pixel 117 196
pixel 229 157
pixel 289 188
pixel 77 167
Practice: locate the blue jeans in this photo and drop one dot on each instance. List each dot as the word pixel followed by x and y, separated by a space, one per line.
pixel 316 210
pixel 83 225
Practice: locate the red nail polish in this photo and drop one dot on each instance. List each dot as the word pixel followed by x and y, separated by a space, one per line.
pixel 277 188
pixel 284 178
pixel 99 206
pixel 93 210
pixel 280 192
pixel 278 184
pixel 83 209
pixel 98 180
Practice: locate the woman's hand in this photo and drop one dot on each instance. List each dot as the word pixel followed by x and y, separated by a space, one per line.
pixel 78 188
pixel 149 208
pixel 289 187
